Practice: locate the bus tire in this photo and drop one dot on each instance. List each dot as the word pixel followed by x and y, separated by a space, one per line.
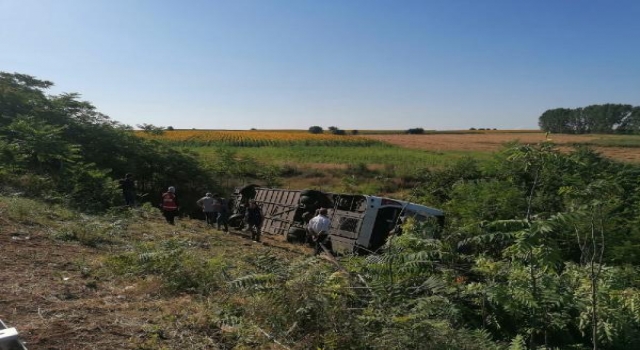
pixel 236 221
pixel 307 200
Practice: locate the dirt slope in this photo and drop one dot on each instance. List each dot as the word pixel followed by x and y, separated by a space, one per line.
pixel 50 292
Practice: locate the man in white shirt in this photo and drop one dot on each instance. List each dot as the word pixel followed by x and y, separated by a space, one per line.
pixel 207 205
pixel 318 229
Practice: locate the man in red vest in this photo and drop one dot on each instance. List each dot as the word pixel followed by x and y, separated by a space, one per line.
pixel 169 205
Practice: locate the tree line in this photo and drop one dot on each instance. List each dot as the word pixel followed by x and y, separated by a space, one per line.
pixel 602 119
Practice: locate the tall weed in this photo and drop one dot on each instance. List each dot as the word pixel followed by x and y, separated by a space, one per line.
pixel 173 263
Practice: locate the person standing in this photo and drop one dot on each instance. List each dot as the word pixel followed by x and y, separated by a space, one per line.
pixel 217 206
pixel 206 203
pixel 223 215
pixel 253 216
pixel 128 187
pixel 170 205
pixel 318 229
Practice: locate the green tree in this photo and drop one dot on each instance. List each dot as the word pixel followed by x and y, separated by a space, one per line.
pixel 21 94
pixel 336 131
pixel 604 119
pixel 151 129
pixel 555 120
pixel 59 137
pixel 315 130
pixel 43 146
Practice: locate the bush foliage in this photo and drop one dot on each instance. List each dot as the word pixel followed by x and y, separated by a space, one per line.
pixel 61 148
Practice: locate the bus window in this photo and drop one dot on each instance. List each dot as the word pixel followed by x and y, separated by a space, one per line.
pixel 348 224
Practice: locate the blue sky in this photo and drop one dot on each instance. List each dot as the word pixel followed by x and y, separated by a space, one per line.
pixel 352 64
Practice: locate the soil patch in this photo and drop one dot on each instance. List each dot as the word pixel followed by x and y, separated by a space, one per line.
pixel 51 295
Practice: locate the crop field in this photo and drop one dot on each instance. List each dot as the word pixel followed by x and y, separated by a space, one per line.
pixel 390 147
pixel 255 138
pixel 619 147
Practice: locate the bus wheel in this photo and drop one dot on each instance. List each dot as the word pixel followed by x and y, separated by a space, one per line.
pixel 236 221
pixel 307 200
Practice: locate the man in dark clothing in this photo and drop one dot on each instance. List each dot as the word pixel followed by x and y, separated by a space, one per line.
pixel 128 187
pixel 217 206
pixel 223 214
pixel 170 205
pixel 253 216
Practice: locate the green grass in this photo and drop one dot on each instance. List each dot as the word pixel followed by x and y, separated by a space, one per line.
pixel 630 141
pixel 380 155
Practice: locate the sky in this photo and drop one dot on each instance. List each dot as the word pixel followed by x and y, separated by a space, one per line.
pixel 352 64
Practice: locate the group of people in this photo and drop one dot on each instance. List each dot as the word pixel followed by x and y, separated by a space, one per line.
pixel 215 209
pixel 216 212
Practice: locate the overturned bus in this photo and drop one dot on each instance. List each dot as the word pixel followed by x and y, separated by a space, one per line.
pixel 359 223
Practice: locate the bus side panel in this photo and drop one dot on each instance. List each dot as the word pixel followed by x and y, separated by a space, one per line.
pixel 345 228
pixel 278 207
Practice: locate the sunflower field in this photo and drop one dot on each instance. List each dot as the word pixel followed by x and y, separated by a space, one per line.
pixel 254 138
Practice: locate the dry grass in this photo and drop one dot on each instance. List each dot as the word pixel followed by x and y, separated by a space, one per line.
pixel 58 295
pixel 493 141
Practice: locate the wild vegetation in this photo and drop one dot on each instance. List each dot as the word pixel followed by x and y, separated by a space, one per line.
pixel 62 149
pixel 540 248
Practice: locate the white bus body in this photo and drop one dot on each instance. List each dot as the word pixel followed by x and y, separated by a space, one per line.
pixel 359 223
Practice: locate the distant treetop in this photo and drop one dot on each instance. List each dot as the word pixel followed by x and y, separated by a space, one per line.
pixel 316 130
pixel 151 129
pixel 415 131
